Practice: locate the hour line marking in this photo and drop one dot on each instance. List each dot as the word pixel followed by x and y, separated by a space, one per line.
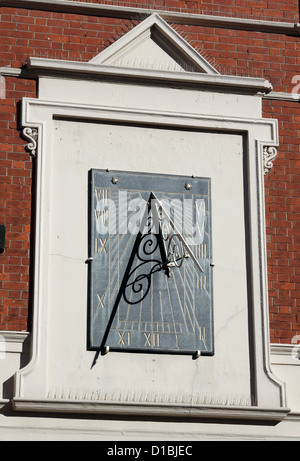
pixel 202 333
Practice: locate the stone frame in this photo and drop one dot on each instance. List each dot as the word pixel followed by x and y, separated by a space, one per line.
pixel 261 135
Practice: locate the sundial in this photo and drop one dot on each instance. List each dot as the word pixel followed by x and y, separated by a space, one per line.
pixel 150 286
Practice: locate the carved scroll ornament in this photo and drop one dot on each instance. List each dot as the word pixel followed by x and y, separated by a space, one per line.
pixel 32 135
pixel 269 155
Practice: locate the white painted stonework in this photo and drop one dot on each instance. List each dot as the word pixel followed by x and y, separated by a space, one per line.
pixel 121 114
pixel 153 44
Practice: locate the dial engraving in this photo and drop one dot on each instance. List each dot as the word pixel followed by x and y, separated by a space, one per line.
pixel 150 277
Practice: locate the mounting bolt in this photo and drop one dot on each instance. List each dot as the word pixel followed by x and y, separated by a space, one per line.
pixel 188 186
pixel 114 180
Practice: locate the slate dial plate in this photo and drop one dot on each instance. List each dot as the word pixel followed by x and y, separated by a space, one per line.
pixel 150 286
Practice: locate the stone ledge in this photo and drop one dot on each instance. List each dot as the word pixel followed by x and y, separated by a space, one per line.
pixel 72 69
pixel 14 340
pixel 181 411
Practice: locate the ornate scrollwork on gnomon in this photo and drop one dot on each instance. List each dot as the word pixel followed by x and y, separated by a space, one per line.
pixel 269 154
pixel 32 135
pixel 138 282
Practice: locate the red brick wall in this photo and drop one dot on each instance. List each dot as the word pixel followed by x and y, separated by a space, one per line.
pixel 248 53
pixel 15 209
pixel 282 191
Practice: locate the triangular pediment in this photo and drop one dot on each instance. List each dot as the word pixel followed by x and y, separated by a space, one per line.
pixel 155 45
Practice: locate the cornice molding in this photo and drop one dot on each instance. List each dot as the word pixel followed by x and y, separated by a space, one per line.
pixel 179 411
pixel 14 340
pixel 285 354
pixel 10 71
pixel 280 96
pixel 71 69
pixel 94 9
pixel 273 95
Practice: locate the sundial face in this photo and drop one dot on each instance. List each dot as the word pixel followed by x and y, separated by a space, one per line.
pixel 150 276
